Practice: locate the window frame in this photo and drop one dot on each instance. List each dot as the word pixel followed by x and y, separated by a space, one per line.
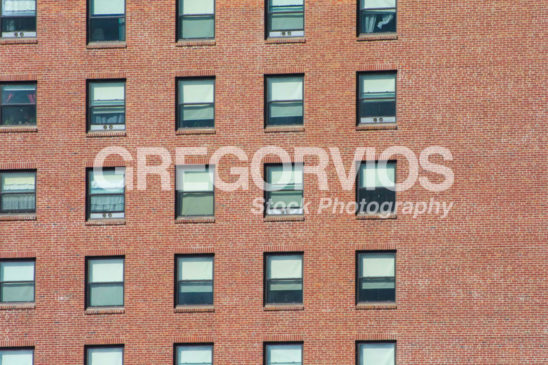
pixel 267 102
pixel 268 22
pixel 359 279
pixel 89 170
pixel 191 344
pixel 267 193
pixel 22 259
pixel 22 348
pixel 179 21
pixel 16 212
pixel 87 294
pixel 358 177
pixel 359 21
pixel 89 107
pixel 2 16
pixel 90 17
pixel 177 281
pixel 87 347
pixel 15 83
pixel 271 343
pixel 359 98
pixel 359 343
pixel 179 196
pixel 267 281
pixel 178 106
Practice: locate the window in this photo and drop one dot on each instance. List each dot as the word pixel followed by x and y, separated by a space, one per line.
pixel 196 19
pixel 107 105
pixel 16 356
pixel 377 16
pixel 105 355
pixel 196 105
pixel 377 353
pixel 17 192
pixel 18 104
pixel 284 189
pixel 284 354
pixel 105 282
pixel 194 354
pixel 284 279
pixel 107 20
pixel 284 98
pixel 377 187
pixel 377 99
pixel 376 277
pixel 195 193
pixel 16 281
pixel 106 193
pixel 18 18
pixel 195 280
pixel 285 18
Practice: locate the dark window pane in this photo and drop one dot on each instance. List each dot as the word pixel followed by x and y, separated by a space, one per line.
pixel 106 294
pixel 19 115
pixel 16 292
pixel 197 116
pixel 377 290
pixel 379 195
pixel 285 291
pixel 285 113
pixel 108 115
pixel 378 21
pixel 25 24
pixel 107 29
pixel 107 203
pixel 377 108
pixel 18 203
pixel 195 293
pixel 201 26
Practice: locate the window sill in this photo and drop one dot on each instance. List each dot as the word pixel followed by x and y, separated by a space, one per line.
pixel 377 216
pixel 17 306
pixel 195 43
pixel 100 45
pixel 285 40
pixel 289 128
pixel 18 217
pixel 378 37
pixel 195 131
pixel 105 222
pixel 193 308
pixel 369 127
pixel 32 40
pixel 106 134
pixel 19 129
pixel 373 306
pixel 106 310
pixel 281 307
pixel 284 218
pixel 182 220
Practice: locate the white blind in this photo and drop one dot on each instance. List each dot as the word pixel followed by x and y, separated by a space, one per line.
pixel 18 8
pixel 18 181
pixel 108 180
pixel 284 354
pixel 286 2
pixel 195 355
pixel 194 178
pixel 289 176
pixel 16 357
pixel 378 264
pixel 111 91
pixel 190 7
pixel 106 270
pixel 378 83
pixel 285 267
pixel 197 91
pixel 105 356
pixel 17 271
pixel 377 4
pixel 375 176
pixel 378 354
pixel 285 88
pixel 195 268
pixel 107 7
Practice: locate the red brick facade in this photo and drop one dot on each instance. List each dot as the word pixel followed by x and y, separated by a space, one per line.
pixel 470 288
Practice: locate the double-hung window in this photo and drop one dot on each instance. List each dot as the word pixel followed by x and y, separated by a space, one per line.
pixel 195 191
pixel 106 193
pixel 17 192
pixel 107 20
pixel 105 355
pixel 284 99
pixel 16 356
pixel 377 98
pixel 284 279
pixel 195 280
pixel 377 16
pixel 284 189
pixel 376 187
pixel 107 105
pixel 105 282
pixel 17 281
pixel 196 105
pixel 196 19
pixel 18 104
pixel 283 354
pixel 376 353
pixel 285 18
pixel 376 277
pixel 194 354
pixel 18 18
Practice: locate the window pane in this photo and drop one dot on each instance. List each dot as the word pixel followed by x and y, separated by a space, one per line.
pixel 107 93
pixel 198 27
pixel 189 7
pixel 195 293
pixel 107 203
pixel 109 294
pixel 285 88
pixel 377 4
pixel 107 7
pixel 17 271
pixel 18 94
pixel 285 113
pixel 286 201
pixel 107 29
pixel 285 22
pixel 11 26
pixel 19 115
pixel 106 270
pixel 16 292
pixel 107 182
pixel 18 202
pixel 291 176
pixel 286 2
pixel 285 291
pixel 105 356
pixel 197 204
pixel 377 353
pixel 377 264
pixel 375 175
pixel 378 83
pixel 18 182
pixel 284 266
pixel 197 116
pixel 195 268
pixel 195 355
pixel 101 116
pixel 378 21
pixel 197 91
pixel 195 178
pixel 284 354
pixel 16 357
pixel 18 7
